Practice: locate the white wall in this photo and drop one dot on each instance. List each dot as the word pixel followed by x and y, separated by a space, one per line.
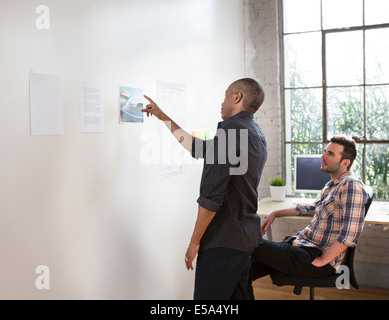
pixel 106 225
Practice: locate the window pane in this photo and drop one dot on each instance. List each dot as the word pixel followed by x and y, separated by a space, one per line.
pixel 302 62
pixel 301 15
pixel 356 168
pixel 377 170
pixel 342 13
pixel 376 11
pixel 303 115
pixel 344 58
pixel 377 112
pixel 377 53
pixel 345 111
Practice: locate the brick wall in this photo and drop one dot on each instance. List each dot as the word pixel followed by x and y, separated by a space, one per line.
pixel 262 62
pixel 372 256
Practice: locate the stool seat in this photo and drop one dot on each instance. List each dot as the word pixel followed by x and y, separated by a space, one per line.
pixel 282 279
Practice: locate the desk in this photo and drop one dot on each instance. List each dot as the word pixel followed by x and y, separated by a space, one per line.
pixel 378 211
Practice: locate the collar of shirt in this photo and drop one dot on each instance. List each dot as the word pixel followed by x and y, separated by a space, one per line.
pixel 338 180
pixel 240 115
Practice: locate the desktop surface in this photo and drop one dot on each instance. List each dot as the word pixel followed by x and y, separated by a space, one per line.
pixel 378 211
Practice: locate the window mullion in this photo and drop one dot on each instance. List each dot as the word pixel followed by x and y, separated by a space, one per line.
pixel 324 86
pixel 364 104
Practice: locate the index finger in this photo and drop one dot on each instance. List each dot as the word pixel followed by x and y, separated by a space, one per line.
pixel 149 99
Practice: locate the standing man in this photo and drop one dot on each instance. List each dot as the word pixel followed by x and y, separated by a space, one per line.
pixel 338 220
pixel 227 226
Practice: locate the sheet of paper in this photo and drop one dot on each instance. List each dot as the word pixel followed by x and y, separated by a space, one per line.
pixel 91 105
pixel 46 105
pixel 131 103
pixel 171 99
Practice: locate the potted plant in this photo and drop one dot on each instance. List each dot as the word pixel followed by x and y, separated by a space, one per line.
pixel 277 189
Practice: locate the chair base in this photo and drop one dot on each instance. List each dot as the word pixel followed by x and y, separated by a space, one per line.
pixel 281 279
pixel 297 290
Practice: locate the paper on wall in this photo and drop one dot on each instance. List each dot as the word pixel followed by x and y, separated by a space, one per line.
pixel 46 114
pixel 130 105
pixel 171 98
pixel 91 105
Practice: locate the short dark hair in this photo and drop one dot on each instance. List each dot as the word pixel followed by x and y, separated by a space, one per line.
pixel 349 145
pixel 252 93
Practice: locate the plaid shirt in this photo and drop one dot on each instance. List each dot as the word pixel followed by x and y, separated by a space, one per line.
pixel 338 215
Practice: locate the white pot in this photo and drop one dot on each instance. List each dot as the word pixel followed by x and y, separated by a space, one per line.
pixel 278 193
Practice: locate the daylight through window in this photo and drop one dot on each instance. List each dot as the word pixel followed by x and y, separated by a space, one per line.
pixel 336 80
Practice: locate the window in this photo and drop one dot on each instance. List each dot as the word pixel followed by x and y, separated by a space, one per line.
pixel 336 80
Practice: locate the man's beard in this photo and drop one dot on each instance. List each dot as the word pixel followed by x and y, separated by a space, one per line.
pixel 333 169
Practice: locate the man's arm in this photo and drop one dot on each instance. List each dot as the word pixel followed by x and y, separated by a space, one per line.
pixel 276 214
pixel 183 137
pixel 330 254
pixel 204 218
pixel 299 210
pixel 354 198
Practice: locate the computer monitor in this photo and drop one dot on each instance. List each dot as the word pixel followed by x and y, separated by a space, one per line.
pixel 308 177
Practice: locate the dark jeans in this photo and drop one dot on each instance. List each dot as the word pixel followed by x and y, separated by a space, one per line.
pixel 272 256
pixel 222 274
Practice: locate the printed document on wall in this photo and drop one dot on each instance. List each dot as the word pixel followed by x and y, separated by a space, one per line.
pixel 46 105
pixel 171 97
pixel 91 105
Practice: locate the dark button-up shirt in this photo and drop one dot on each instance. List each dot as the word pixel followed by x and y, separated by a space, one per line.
pixel 233 165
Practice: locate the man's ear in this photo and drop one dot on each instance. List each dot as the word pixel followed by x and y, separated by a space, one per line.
pixel 238 97
pixel 346 162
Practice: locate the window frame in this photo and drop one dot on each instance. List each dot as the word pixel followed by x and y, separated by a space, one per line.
pixel 362 141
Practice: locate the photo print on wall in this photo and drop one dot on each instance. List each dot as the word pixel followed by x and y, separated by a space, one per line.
pixel 130 105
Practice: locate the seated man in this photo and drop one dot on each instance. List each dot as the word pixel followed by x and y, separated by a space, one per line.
pixel 338 219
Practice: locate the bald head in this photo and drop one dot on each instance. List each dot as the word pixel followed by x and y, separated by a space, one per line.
pixel 252 93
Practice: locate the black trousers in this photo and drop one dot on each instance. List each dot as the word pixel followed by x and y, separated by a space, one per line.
pixel 222 274
pixel 272 256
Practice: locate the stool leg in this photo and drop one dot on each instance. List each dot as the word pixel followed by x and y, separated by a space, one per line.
pixel 311 293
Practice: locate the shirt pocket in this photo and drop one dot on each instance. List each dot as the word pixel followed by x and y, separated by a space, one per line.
pixel 327 208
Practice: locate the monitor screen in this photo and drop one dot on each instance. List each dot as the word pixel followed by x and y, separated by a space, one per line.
pixel 308 177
